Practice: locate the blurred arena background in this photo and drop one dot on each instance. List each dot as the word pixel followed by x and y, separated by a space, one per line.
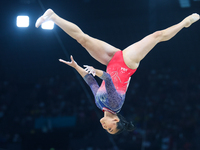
pixel 45 105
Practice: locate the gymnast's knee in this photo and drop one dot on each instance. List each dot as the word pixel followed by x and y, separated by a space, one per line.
pixel 82 39
pixel 158 35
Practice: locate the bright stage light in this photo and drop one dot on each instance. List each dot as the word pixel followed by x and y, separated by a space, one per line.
pixel 49 25
pixel 22 21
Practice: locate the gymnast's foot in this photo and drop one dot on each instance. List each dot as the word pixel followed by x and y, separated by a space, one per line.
pixel 191 19
pixel 45 17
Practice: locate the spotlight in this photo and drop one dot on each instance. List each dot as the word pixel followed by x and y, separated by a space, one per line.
pixel 49 25
pixel 22 21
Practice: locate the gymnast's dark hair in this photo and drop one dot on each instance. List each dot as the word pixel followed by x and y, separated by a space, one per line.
pixel 124 125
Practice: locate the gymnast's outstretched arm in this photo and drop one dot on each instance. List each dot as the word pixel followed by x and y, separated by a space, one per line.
pixel 74 65
pixel 89 79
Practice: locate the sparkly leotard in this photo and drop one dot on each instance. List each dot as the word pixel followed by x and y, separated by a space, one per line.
pixel 111 94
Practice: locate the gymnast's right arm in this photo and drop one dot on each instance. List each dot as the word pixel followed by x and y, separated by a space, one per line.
pixel 89 79
pixel 73 64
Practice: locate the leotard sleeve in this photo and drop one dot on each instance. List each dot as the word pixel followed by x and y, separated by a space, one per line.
pixel 90 80
pixel 110 88
pixel 109 97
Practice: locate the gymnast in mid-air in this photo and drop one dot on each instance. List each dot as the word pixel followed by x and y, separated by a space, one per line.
pixel 121 65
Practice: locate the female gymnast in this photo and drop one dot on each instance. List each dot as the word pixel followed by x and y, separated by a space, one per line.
pixel 109 97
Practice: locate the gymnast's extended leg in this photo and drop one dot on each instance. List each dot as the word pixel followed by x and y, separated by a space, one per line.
pixel 137 51
pixel 100 50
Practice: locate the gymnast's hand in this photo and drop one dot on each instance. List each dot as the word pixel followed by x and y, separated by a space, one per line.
pixel 90 70
pixel 72 63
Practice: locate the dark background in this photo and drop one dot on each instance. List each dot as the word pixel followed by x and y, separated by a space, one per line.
pixel 163 96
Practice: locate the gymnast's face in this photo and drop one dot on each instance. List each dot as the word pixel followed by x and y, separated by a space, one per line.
pixel 109 124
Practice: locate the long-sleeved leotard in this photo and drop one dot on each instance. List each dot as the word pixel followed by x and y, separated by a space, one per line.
pixel 111 94
pixel 105 97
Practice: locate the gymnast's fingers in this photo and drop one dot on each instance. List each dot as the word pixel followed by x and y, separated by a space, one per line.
pixel 72 59
pixel 61 60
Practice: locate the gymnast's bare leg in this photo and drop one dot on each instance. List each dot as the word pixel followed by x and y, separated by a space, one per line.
pixel 137 51
pixel 101 51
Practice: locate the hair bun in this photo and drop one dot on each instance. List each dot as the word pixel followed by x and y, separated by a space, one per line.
pixel 130 126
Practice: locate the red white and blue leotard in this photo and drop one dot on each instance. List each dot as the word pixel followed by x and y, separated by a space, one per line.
pixel 111 94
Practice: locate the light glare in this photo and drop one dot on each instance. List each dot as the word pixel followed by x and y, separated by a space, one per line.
pixel 22 21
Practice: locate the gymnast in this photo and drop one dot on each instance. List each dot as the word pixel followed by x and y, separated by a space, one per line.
pixel 121 64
